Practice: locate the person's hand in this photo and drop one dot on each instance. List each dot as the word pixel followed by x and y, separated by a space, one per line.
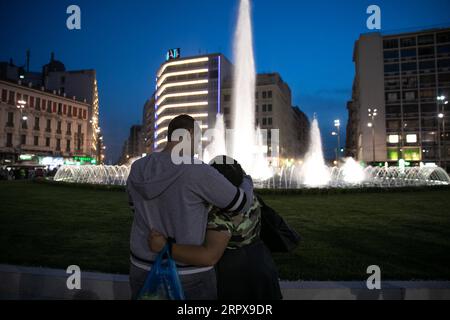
pixel 156 241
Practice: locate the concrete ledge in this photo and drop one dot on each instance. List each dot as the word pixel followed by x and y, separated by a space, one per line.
pixel 17 282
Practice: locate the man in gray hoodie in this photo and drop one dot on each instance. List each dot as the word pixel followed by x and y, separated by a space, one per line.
pixel 174 198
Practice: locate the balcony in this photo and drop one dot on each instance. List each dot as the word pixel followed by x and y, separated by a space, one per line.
pixel 10 124
pixel 36 128
pixel 48 130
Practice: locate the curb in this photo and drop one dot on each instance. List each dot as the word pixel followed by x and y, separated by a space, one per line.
pixel 34 283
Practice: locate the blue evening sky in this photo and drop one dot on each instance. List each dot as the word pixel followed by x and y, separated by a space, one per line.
pixel 309 43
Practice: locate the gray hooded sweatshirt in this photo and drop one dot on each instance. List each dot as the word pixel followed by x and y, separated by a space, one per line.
pixel 174 200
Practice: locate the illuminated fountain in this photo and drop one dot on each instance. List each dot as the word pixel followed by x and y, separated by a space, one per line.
pixel 246 141
pixel 89 174
pixel 314 172
pixel 248 148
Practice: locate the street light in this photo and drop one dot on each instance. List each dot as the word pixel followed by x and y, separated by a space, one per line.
pixel 442 102
pixel 21 106
pixel 337 125
pixel 372 113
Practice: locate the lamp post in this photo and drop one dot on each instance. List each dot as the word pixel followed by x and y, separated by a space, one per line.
pixel 372 113
pixel 441 117
pixel 337 125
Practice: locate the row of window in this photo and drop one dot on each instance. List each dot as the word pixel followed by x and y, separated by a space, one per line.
pixel 426 39
pixel 408 82
pixel 426 138
pixel 411 108
pixel 264 122
pixel 412 124
pixel 411 95
pixel 23 141
pixel 442 51
pixel 410 138
pixel 264 108
pixel 264 95
pixel 39 104
pixel 428 66
pixel 188 77
pixel 36 127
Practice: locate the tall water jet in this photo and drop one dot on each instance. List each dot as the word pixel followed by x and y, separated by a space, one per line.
pixel 217 146
pixel 314 172
pixel 244 81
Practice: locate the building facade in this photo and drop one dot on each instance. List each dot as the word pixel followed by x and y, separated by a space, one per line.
pixel 273 110
pixel 148 125
pixel 401 85
pixel 51 114
pixel 201 86
pixel 134 146
pixel 49 125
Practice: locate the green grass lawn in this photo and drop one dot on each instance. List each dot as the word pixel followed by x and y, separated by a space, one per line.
pixel 406 233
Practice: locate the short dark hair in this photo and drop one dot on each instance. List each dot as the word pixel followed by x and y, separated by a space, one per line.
pixel 181 122
pixel 229 168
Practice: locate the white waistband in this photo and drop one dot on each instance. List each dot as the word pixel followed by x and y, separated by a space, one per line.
pixel 180 272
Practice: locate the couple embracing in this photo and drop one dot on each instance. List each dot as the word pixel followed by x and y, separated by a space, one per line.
pixel 212 218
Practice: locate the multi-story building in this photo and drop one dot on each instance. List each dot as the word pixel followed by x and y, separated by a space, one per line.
pixel 48 125
pixel 79 83
pixel 134 146
pixel 192 86
pixel 148 124
pixel 401 86
pixel 201 86
pixel 273 110
pixel 52 117
pixel 301 131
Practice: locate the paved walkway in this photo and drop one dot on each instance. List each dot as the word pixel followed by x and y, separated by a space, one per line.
pixel 17 282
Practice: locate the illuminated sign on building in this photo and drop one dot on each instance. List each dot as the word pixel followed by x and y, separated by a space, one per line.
pixel 173 54
pixel 26 157
pixel 83 160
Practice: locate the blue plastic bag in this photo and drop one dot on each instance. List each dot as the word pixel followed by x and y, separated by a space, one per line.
pixel 162 282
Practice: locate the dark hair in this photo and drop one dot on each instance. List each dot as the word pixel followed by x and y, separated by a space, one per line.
pixel 229 168
pixel 181 122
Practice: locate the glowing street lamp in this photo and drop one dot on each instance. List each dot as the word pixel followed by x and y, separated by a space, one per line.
pixel 21 106
pixel 372 113
pixel 442 102
pixel 337 125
